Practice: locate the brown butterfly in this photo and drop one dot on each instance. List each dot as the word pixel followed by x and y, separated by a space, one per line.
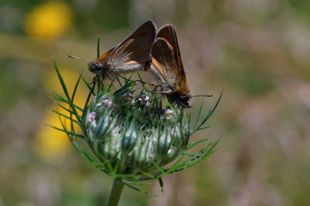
pixel 132 54
pixel 167 67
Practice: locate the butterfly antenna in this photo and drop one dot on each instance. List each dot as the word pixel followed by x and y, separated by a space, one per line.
pixel 203 95
pixel 208 95
pixel 76 58
pixel 73 57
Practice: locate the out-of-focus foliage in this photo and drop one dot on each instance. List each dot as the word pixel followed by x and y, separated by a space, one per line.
pixel 259 51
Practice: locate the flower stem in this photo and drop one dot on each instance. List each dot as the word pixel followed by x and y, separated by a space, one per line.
pixel 115 192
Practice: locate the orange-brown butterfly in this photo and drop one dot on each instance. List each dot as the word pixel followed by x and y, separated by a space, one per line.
pixel 132 54
pixel 168 68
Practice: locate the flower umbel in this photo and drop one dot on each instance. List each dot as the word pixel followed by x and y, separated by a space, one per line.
pixel 133 133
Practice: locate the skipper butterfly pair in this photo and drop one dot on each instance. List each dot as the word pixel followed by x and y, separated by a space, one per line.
pixel 148 49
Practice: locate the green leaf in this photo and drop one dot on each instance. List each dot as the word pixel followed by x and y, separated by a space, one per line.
pixel 65 116
pixel 67 132
pixel 63 85
pixel 211 111
pixel 195 143
pixel 87 84
pixel 75 88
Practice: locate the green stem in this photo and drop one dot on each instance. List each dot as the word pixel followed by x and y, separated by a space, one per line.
pixel 115 192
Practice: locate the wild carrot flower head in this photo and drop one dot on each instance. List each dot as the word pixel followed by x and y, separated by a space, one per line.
pixel 131 132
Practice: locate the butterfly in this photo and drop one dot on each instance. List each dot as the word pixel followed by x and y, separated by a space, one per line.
pixel 132 54
pixel 168 68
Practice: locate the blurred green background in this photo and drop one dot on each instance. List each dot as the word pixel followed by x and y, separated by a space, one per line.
pixel 259 51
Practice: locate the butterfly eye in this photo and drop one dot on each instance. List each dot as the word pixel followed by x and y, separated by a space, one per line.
pixel 95 66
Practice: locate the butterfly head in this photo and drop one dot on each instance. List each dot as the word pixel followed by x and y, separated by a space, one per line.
pixel 182 100
pixel 95 67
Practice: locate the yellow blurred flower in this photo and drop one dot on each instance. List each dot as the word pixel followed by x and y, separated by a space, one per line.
pixel 51 142
pixel 49 20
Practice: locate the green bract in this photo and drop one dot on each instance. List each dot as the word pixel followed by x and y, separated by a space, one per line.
pixel 135 130
pixel 131 132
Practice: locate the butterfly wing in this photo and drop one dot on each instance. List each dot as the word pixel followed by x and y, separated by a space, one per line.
pixel 105 56
pixel 164 62
pixel 134 50
pixel 167 59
